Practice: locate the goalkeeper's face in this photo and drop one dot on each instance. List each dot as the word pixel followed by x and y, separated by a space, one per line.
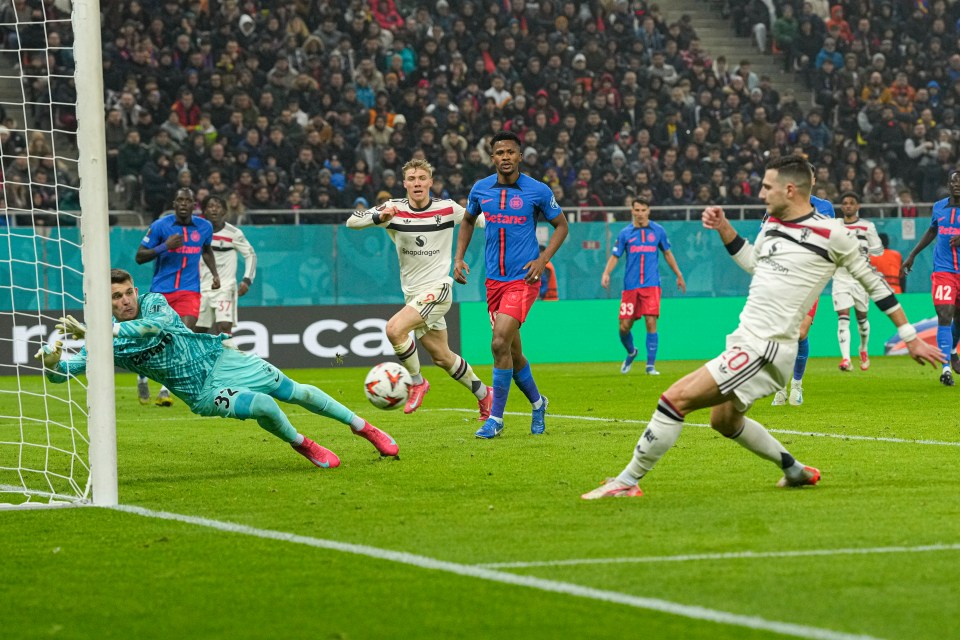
pixel 124 298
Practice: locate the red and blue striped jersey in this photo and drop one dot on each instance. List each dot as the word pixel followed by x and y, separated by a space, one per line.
pixel 946 220
pixel 178 269
pixel 511 212
pixel 641 246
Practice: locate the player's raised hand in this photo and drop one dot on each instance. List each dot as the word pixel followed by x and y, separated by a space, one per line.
pixel 713 217
pixel 924 352
pixel 50 354
pixel 70 326
pixel 460 271
pixel 387 213
pixel 605 280
pixel 174 242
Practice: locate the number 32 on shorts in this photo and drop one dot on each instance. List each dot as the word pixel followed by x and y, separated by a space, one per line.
pixel 224 400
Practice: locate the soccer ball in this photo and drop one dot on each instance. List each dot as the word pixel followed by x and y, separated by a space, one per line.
pixel 387 385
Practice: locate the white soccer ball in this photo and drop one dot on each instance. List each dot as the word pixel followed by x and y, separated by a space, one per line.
pixel 387 385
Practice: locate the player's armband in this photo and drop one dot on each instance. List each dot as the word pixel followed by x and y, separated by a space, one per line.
pixel 734 246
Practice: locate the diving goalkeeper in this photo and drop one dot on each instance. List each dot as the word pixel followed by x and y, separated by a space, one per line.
pixel 209 376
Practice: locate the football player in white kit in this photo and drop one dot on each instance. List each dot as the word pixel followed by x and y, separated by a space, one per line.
pixel 847 292
pixel 218 307
pixel 793 258
pixel 421 227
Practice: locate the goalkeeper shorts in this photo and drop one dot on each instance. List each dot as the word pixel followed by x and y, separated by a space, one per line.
pixel 235 371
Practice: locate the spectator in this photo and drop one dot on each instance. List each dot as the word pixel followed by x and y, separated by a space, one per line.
pixel 888 265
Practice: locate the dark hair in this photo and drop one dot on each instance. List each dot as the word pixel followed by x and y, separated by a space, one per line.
pixel 635 199
pixel 119 276
pixel 793 169
pixel 501 136
pixel 206 201
pixel 850 194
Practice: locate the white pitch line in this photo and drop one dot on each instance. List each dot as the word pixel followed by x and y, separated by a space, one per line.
pixel 739 555
pixel 492 575
pixel 792 432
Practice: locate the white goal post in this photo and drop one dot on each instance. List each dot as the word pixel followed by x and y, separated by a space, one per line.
pixel 57 442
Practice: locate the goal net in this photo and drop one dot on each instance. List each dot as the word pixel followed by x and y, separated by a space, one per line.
pixel 56 440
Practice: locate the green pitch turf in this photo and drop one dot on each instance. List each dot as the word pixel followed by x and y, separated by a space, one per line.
pixel 97 573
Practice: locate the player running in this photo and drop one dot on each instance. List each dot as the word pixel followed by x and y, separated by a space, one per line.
pixel 421 227
pixel 945 227
pixel 847 292
pixel 212 379
pixel 177 242
pixel 795 254
pixel 510 202
pixel 641 241
pixel 218 307
pixel 823 208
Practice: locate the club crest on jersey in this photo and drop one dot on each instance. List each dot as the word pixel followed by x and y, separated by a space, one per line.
pixel 195 236
pixel 438 219
pixel 516 202
pixel 804 234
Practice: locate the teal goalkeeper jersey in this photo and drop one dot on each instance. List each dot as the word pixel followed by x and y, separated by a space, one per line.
pixel 158 345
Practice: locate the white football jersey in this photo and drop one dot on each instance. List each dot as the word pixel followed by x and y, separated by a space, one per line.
pixel 870 245
pixel 226 243
pixel 423 237
pixel 791 262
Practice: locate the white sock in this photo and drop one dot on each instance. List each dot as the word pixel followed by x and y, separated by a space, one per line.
pixel 755 438
pixel 407 353
pixel 142 379
pixel 864 327
pixel 843 336
pixel 462 372
pixel 659 436
pixel 357 423
pixel 298 440
pixel 164 389
pixel 539 403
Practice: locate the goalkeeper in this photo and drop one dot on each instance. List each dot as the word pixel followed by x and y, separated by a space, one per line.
pixel 208 375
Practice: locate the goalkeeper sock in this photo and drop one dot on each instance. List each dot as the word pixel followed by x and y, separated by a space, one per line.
pixel 843 336
pixel 407 353
pixel 662 431
pixel 626 339
pixel 524 380
pixel 864 327
pixel 800 364
pixel 462 372
pixel 754 437
pixel 267 413
pixel 316 401
pixel 501 389
pixel 653 340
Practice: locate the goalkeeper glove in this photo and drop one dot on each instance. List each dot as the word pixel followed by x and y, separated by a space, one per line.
pixel 50 354
pixel 70 326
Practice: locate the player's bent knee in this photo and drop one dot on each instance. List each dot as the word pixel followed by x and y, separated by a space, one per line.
pixel 286 390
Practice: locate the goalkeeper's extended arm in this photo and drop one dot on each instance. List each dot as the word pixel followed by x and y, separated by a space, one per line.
pixel 58 369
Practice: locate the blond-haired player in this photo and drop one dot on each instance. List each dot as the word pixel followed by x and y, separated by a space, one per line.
pixel 421 227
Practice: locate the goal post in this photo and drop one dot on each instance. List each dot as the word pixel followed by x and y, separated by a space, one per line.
pixel 57 441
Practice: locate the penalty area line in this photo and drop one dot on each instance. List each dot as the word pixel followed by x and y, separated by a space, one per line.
pixel 738 555
pixel 503 577
pixel 792 432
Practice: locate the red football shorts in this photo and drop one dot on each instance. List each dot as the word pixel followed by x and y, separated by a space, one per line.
pixel 945 287
pixel 635 303
pixel 813 309
pixel 513 298
pixel 185 303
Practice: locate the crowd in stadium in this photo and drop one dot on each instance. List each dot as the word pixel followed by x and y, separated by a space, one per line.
pixel 315 104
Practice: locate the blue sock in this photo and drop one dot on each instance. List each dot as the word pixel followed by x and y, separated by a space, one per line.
pixel 945 340
pixel 653 339
pixel 626 339
pixel 501 389
pixel 524 380
pixel 800 364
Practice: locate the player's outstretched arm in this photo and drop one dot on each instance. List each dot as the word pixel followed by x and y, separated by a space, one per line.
pixel 464 235
pixel 925 239
pixel 920 350
pixel 739 249
pixel 58 369
pixel 672 263
pixel 371 217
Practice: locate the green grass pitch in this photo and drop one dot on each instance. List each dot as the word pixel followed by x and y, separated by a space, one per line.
pixel 97 573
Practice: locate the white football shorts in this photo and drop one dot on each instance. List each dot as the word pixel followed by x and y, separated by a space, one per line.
pixel 850 294
pixel 218 305
pixel 432 304
pixel 751 368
